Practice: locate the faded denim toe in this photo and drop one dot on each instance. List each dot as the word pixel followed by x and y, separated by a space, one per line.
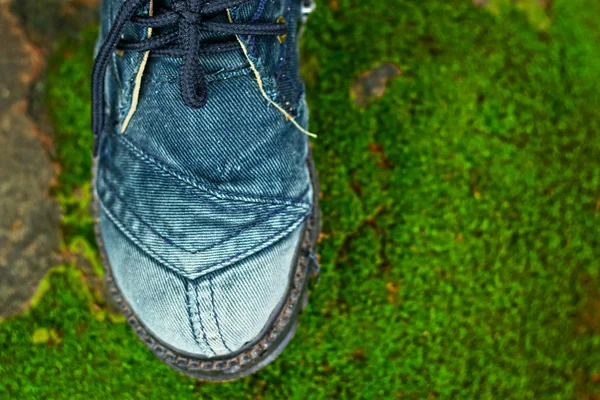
pixel 204 189
pixel 212 316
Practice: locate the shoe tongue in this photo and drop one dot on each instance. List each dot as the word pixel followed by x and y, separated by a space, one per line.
pixel 261 10
pixel 252 5
pixel 135 33
pixel 253 10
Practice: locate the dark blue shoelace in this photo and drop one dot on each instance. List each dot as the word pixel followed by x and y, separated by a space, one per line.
pixel 190 17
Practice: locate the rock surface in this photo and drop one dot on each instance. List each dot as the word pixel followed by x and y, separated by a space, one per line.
pixel 29 216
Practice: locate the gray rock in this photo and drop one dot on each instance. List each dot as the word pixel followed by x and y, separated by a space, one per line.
pixel 29 216
pixel 372 84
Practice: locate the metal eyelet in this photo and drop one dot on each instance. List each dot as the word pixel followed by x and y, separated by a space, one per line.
pixel 281 20
pixel 308 6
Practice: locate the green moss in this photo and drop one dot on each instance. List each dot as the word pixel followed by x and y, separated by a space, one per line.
pixel 43 336
pixel 68 101
pixel 42 289
pixel 536 11
pixel 461 245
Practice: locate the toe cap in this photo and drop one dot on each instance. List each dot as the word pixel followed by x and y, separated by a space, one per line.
pixel 213 315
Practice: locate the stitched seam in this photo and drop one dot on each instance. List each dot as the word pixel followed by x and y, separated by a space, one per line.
pixel 173 79
pixel 282 59
pixel 282 75
pixel 267 81
pixel 115 71
pixel 140 154
pixel 200 319
pixel 136 240
pixel 213 75
pixel 214 309
pixel 259 11
pixel 270 240
pixel 127 89
pixel 190 309
pixel 168 240
pixel 210 76
pixel 233 259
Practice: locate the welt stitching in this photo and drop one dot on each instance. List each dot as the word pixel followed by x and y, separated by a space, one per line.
pixel 234 258
pixel 200 319
pixel 167 239
pixel 216 194
pixel 214 309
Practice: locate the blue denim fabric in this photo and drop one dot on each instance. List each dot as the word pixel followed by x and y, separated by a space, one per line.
pixel 201 210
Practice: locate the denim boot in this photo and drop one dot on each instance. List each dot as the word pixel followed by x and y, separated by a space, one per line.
pixel 204 188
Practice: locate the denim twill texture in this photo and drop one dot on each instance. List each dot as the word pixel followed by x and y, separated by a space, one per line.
pixel 202 209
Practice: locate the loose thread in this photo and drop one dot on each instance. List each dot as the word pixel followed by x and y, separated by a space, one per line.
pixel 261 85
pixel 138 79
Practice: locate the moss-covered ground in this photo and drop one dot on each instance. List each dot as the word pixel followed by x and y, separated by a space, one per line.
pixel 461 240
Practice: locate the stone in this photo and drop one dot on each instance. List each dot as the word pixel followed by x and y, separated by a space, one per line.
pixel 29 216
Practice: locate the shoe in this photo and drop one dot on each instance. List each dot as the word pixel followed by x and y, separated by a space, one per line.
pixel 205 194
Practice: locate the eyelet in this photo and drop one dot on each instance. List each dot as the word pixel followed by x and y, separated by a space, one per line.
pixel 281 20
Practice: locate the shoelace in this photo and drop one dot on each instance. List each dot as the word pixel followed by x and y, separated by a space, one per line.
pixel 190 17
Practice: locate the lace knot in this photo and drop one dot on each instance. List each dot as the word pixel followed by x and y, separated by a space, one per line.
pixel 191 16
pixel 187 16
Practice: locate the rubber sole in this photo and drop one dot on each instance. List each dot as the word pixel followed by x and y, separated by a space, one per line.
pixel 268 346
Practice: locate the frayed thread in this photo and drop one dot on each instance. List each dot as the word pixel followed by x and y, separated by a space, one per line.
pixel 262 88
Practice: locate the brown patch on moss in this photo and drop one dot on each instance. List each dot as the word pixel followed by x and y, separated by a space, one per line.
pixel 323 236
pixel 359 355
pixel 334 4
pixel 590 313
pixel 546 4
pixel 355 186
pixel 587 386
pixel 474 183
pixel 379 151
pixel 587 320
pixel 372 84
pixel 392 289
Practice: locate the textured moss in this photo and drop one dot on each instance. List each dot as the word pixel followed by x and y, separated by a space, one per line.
pixel 68 97
pixel 461 246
